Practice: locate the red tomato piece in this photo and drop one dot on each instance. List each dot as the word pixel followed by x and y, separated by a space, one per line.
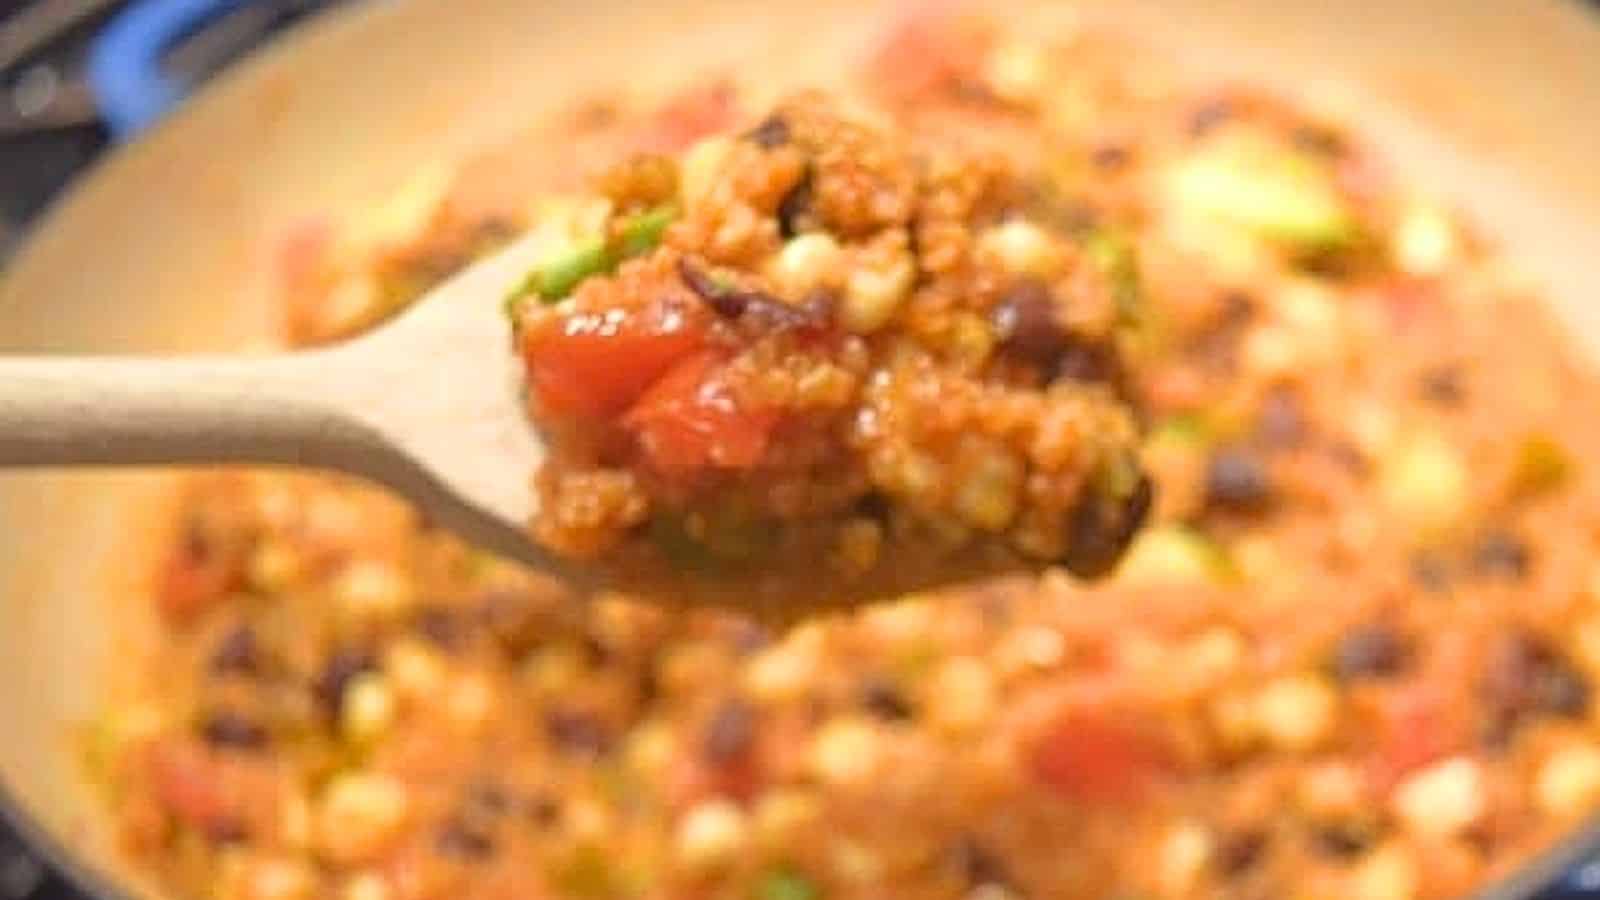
pixel 696 113
pixel 596 365
pixel 1098 756
pixel 691 420
pixel 192 582
pixel 928 50
pixel 1415 727
pixel 188 783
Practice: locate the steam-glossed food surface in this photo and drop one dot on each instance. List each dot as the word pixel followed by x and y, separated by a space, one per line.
pixel 824 357
pixel 1349 654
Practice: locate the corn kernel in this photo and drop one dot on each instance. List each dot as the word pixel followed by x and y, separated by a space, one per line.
pixel 782 671
pixel 1425 481
pixel 415 671
pixel 1388 873
pixel 712 835
pixel 702 166
pixel 1018 72
pixel 271 879
pixel 359 815
pixel 873 293
pixel 373 589
pixel 1443 799
pixel 962 694
pixel 274 566
pixel 783 813
pixel 1297 712
pixel 1021 248
pixel 1425 240
pixel 368 707
pixel 1185 853
pixel 1568 782
pixel 855 863
pixel 845 751
pixel 367 886
pixel 470 701
pixel 806 262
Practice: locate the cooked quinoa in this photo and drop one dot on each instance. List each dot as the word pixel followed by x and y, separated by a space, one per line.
pixel 1350 655
pixel 824 357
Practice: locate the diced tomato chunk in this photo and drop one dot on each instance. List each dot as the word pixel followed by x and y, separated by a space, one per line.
pixel 696 113
pixel 597 364
pixel 930 49
pixel 1098 756
pixel 690 420
pixel 1415 727
pixel 188 783
pixel 192 582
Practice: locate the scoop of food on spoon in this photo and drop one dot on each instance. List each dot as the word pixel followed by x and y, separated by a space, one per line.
pixel 792 368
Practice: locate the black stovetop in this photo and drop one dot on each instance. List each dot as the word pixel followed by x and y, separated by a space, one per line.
pixel 37 162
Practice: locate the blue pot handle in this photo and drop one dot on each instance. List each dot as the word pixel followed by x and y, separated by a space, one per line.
pixel 124 70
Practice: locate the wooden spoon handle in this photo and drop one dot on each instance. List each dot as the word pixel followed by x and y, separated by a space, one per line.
pixel 115 411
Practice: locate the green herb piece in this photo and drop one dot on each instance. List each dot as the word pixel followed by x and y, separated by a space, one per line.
pixel 1275 193
pixel 641 233
pixel 1116 257
pixel 785 884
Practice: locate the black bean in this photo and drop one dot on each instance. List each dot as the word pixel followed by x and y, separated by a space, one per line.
pixel 1343 840
pixel 544 810
pixel 1442 386
pixel 873 505
pixel 748 636
pixel 1281 424
pixel 512 618
pixel 1370 651
pixel 577 733
pixel 457 840
pixel 1110 156
pixel 771 133
pixel 1100 526
pixel 1318 139
pixel 1500 554
pixel 977 865
pixel 487 800
pixel 1237 480
pixel 1088 363
pixel 227 831
pixel 1025 322
pixel 731 733
pixel 883 698
pixel 794 210
pixel 1431 572
pixel 1209 116
pixel 725 302
pixel 759 307
pixel 1238 853
pixel 444 627
pixel 234 731
pixel 337 672
pixel 238 653
pixel 1526 676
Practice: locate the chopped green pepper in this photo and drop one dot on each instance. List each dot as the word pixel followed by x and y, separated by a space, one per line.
pixel 1115 256
pixel 641 233
pixel 554 278
pixel 785 884
pixel 1275 193
pixel 557 277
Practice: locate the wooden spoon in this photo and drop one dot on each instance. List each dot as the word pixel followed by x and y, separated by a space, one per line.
pixel 429 405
